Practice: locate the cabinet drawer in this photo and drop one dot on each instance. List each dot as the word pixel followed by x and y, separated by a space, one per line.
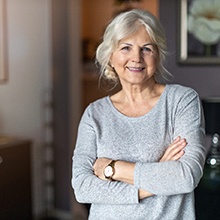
pixel 15 181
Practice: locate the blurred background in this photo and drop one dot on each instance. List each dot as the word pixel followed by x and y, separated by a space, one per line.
pixel 47 79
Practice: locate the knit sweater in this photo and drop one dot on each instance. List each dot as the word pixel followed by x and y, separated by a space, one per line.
pixel 105 132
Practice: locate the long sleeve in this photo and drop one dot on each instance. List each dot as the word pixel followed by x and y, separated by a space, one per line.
pixel 105 132
pixel 89 188
pixel 178 177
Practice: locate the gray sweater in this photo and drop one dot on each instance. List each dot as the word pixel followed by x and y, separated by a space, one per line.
pixel 105 132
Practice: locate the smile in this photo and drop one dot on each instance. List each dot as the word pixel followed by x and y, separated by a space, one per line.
pixel 136 68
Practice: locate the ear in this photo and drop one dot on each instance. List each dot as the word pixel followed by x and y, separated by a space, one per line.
pixel 110 62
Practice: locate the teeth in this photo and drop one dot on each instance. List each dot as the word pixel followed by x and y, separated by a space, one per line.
pixel 135 68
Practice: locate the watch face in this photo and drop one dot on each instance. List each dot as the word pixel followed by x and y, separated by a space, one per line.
pixel 108 171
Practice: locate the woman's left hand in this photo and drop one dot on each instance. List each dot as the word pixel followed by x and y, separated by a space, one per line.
pixel 173 152
pixel 99 167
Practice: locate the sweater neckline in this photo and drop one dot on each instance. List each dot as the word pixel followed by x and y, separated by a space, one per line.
pixel 121 115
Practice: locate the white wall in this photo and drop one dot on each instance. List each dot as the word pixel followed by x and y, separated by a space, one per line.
pixel 29 67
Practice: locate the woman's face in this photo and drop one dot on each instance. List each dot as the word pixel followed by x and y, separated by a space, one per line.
pixel 135 59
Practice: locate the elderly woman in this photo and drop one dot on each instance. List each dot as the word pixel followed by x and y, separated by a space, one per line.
pixel 140 152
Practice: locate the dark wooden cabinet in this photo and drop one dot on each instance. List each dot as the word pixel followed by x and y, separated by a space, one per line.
pixel 15 179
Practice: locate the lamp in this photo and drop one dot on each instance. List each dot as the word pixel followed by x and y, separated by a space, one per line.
pixel 211 106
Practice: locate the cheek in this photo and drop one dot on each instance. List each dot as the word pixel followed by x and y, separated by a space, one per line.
pixel 118 63
pixel 156 58
pixel 153 61
pixel 117 60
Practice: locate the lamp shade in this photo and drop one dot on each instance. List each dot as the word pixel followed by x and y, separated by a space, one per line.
pixel 211 106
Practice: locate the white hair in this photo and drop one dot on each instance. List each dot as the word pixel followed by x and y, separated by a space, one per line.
pixel 123 26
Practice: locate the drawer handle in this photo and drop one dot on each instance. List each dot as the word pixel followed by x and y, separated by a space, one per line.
pixel 1 160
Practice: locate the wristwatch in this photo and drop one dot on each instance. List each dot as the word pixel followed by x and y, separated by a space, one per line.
pixel 109 170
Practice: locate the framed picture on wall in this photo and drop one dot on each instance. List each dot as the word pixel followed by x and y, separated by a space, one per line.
pixel 199 32
pixel 3 66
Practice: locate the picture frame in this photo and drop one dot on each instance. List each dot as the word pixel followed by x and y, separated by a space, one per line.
pixel 3 54
pixel 191 49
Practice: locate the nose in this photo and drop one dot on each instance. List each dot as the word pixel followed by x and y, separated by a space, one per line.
pixel 137 56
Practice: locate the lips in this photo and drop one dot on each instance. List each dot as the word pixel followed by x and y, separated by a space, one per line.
pixel 135 68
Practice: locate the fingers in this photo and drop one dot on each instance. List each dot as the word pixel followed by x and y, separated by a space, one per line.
pixel 176 146
pixel 178 155
pixel 175 150
pixel 176 139
pixel 99 166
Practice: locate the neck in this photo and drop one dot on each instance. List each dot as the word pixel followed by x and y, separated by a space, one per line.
pixel 136 94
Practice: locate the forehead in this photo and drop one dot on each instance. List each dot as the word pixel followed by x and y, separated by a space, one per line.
pixel 140 36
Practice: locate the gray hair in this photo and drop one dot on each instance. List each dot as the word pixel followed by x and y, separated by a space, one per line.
pixel 124 25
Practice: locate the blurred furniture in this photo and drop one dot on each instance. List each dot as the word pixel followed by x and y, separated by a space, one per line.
pixel 207 195
pixel 211 106
pixel 90 89
pixel 208 191
pixel 15 179
pixel 93 88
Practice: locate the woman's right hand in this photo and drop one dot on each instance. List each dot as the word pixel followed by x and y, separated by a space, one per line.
pixel 175 150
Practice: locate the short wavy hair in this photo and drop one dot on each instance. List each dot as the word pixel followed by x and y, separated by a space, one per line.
pixel 123 26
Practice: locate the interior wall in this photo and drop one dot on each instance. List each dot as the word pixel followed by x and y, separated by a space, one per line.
pixel 203 78
pixel 75 96
pixel 66 32
pixel 21 97
pixel 60 93
pixel 96 15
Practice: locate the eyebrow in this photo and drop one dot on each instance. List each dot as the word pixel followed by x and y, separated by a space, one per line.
pixel 147 44
pixel 152 44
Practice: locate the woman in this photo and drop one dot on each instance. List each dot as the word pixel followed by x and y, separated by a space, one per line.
pixel 140 152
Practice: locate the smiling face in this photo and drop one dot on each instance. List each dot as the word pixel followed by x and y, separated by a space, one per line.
pixel 135 59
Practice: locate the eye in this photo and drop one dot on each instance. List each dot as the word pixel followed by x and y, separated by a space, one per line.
pixel 125 48
pixel 147 49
